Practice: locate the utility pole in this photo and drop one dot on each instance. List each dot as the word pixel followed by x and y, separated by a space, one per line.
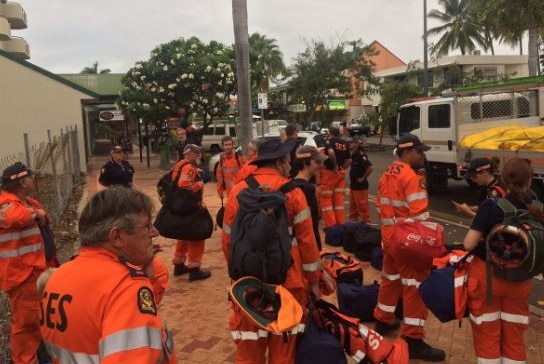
pixel 425 55
pixel 241 42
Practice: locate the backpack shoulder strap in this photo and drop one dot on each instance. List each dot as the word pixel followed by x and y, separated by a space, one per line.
pixel 507 208
pixel 288 187
pixel 252 182
pixel 237 156
pixel 178 175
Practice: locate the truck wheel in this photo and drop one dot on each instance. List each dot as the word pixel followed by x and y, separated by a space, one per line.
pixel 214 149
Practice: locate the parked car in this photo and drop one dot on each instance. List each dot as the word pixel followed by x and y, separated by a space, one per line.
pixel 211 139
pixel 357 129
pixel 315 126
pixel 304 137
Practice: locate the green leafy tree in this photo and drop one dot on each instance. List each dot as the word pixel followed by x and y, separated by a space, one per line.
pixel 460 27
pixel 93 70
pixel 266 61
pixel 322 71
pixel 182 73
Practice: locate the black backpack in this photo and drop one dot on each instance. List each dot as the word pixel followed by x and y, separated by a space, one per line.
pixel 178 200
pixel 260 239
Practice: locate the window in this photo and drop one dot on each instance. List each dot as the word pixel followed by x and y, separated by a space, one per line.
pixel 491 109
pixel 523 108
pixel 219 130
pixel 430 81
pixel 232 131
pixel 453 76
pixel 439 116
pixel 409 119
pixel 209 130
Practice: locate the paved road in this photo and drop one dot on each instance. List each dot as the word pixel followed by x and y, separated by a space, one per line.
pixel 441 207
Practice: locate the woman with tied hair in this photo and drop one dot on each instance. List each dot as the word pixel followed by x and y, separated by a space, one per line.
pixel 498 325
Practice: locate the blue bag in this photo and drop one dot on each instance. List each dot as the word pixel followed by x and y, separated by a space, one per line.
pixel 377 258
pixel 318 347
pixel 441 305
pixel 335 235
pixel 357 300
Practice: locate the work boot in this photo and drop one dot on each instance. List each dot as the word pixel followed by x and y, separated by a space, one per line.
pixel 180 269
pixel 419 349
pixel 383 329
pixel 197 274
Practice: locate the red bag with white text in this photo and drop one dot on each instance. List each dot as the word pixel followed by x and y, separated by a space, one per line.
pixel 417 243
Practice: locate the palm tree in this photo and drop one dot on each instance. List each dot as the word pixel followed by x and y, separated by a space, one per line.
pixel 460 28
pixel 266 61
pixel 241 43
pixel 93 70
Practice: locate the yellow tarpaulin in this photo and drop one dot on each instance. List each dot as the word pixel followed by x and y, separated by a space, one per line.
pixel 513 137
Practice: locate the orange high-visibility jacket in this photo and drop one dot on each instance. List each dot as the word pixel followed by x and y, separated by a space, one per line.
pixel 401 193
pixel 190 177
pixel 247 169
pixel 306 264
pixel 97 309
pixel 227 171
pixel 21 243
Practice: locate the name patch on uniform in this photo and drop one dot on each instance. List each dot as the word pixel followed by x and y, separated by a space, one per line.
pixel 146 301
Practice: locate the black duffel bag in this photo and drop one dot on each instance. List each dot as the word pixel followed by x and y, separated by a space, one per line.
pixel 196 225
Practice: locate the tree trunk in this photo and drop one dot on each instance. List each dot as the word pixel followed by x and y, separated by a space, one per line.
pixel 241 42
pixel 533 52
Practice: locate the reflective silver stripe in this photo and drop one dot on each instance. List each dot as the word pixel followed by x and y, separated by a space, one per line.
pixel 363 330
pixel 414 321
pixel 21 251
pixel 416 196
pixel 339 190
pixel 326 209
pixel 460 281
pixel 294 242
pixel 358 356
pixel 391 277
pixel 399 203
pixel 226 228
pixel 423 216
pixel 489 361
pixel 249 335
pixel 385 201
pixel 378 210
pixel 301 216
pixel 185 177
pixel 385 308
pixel 512 361
pixel 338 207
pixel 312 267
pixel 410 282
pixel 142 337
pixel 517 319
pixel 486 317
pixel 70 357
pixel 229 183
pixel 17 235
pixel 327 192
pixel 387 221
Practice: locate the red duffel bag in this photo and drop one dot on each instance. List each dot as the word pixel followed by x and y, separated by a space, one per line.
pixel 416 243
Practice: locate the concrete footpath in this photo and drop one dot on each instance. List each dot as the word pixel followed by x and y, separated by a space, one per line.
pixel 197 312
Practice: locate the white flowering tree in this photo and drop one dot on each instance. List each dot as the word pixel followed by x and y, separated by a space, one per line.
pixel 183 73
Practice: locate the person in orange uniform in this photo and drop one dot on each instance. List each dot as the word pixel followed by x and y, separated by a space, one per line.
pixel 230 163
pixel 248 168
pixel 361 168
pixel 100 307
pixel 498 325
pixel 333 182
pixel 188 255
pixel 252 343
pixel 22 259
pixel 402 194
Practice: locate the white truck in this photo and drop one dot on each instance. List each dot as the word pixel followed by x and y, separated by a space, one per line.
pixel 442 122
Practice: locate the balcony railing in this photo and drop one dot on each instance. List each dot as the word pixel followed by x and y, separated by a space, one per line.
pixel 5 29
pixel 15 14
pixel 18 47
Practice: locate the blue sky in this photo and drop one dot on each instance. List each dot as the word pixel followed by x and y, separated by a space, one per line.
pixel 65 36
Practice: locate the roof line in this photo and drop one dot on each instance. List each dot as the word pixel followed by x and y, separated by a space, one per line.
pixel 48 74
pixel 387 49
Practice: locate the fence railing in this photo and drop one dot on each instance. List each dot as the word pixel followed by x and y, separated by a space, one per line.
pixel 57 168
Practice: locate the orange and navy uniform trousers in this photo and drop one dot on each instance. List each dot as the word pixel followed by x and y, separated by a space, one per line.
pixel 401 194
pixel 497 326
pixel 252 342
pixel 227 172
pixel 22 260
pixel 189 252
pixel 333 184
pixel 114 322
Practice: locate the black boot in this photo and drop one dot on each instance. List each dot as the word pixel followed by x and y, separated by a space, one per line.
pixel 197 274
pixel 383 329
pixel 419 349
pixel 180 269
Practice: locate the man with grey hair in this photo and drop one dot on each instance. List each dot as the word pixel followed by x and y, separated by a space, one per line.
pixel 101 306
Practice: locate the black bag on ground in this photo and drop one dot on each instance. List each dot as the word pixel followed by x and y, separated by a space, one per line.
pixel 377 258
pixel 318 347
pixel 260 240
pixel 364 243
pixel 197 225
pixel 354 236
pixel 358 300
pixel 178 200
